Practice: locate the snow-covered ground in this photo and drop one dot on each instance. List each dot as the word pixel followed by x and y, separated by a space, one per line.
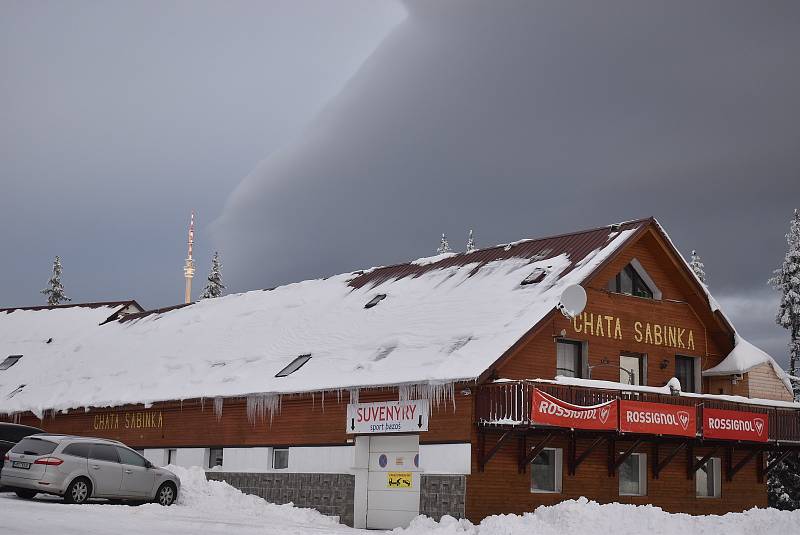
pixel 211 507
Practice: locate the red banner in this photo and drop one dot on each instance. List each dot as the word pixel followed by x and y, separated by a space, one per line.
pixel 552 411
pixel 735 425
pixel 657 418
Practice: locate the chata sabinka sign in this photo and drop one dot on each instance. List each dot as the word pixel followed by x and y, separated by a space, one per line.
pixel 657 334
pixel 128 420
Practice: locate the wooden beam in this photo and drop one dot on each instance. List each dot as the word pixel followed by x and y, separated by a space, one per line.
pixel 491 453
pixel 760 467
pixel 612 447
pixel 775 462
pixel 627 453
pixel 536 450
pixel 576 462
pixel 738 466
pixel 659 464
pixel 689 461
pixel 697 464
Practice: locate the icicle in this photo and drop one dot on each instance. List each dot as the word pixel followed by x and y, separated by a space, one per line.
pixel 323 401
pixel 436 393
pixel 354 395
pixel 218 401
pixel 258 405
pixel 202 404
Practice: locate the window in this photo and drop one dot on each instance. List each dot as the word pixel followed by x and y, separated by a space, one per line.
pixel 104 452
pixel 569 358
pixel 9 361
pixel 536 276
pixel 214 457
pixel 77 449
pixel 635 364
pixel 628 281
pixel 15 391
pixel 633 475
pixel 293 366
pixel 129 457
pixel 685 373
pixel 172 456
pixel 34 446
pixel 280 458
pixel 375 300
pixel 546 471
pixel 707 479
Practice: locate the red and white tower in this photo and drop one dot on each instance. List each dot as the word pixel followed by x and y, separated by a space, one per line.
pixel 188 267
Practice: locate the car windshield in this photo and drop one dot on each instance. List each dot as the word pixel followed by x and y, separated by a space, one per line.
pixel 34 446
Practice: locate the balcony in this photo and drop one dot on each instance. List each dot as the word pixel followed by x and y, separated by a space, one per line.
pixel 508 405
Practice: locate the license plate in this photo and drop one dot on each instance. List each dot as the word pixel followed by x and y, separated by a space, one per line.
pixel 19 464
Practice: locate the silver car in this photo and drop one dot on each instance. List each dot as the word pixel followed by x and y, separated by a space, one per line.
pixel 79 468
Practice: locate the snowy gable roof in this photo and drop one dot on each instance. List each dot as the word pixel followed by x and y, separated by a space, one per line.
pixel 440 322
pixel 744 357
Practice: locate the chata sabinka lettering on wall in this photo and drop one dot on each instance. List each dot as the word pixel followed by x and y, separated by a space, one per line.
pixel 658 334
pixel 128 420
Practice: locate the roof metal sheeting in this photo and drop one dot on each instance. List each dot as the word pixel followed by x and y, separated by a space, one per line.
pixel 576 244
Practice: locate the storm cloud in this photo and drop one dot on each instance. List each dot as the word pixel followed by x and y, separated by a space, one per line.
pixel 521 119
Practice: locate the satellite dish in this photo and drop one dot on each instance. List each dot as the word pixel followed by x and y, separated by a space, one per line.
pixel 573 300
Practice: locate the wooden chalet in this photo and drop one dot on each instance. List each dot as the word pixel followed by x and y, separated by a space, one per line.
pixel 448 385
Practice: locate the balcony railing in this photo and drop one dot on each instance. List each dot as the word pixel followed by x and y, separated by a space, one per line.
pixel 509 404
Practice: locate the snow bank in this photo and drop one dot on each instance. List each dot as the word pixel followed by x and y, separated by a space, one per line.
pixel 219 498
pixel 583 517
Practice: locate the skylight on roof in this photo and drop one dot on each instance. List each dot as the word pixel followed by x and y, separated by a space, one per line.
pixel 15 392
pixel 293 366
pixel 537 275
pixel 9 361
pixel 375 300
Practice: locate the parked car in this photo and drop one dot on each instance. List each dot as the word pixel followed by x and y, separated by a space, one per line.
pixel 10 434
pixel 79 468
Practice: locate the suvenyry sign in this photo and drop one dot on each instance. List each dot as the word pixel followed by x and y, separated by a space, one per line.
pixel 657 334
pixel 388 417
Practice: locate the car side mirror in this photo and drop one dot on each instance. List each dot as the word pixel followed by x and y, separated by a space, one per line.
pixel 148 464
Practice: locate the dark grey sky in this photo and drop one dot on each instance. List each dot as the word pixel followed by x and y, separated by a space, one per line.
pixel 378 131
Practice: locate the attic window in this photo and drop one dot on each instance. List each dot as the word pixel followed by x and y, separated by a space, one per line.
pixel 9 361
pixel 15 392
pixel 536 276
pixel 293 366
pixel 375 300
pixel 629 281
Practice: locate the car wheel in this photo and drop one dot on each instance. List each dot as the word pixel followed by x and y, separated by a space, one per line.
pixel 78 491
pixel 166 495
pixel 25 494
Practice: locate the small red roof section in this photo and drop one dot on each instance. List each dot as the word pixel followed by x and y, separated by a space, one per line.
pixel 120 306
pixel 577 245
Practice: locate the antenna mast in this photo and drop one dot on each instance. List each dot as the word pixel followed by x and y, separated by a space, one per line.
pixel 188 267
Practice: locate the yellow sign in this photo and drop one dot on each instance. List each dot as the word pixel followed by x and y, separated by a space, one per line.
pixel 128 420
pixel 654 334
pixel 398 480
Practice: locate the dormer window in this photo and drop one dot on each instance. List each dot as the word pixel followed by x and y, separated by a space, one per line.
pixel 630 281
pixel 293 366
pixel 9 361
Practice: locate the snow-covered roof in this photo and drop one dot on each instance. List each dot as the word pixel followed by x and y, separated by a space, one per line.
pixel 744 357
pixel 441 322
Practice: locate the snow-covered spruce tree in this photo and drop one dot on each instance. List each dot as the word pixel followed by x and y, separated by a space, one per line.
pixel 787 281
pixel 55 290
pixel 783 486
pixel 444 247
pixel 214 285
pixel 696 263
pixel 470 242
pixel 784 481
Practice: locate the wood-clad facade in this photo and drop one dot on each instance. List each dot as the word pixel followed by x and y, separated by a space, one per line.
pixel 673 331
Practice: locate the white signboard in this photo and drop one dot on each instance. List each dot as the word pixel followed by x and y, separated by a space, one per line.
pixel 388 417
